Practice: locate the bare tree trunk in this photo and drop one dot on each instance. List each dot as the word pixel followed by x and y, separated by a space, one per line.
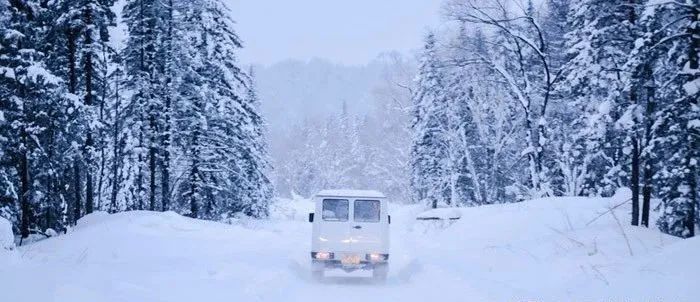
pixel 139 175
pixel 635 181
pixel 165 165
pixel 77 211
pixel 24 189
pixel 532 155
pixel 632 18
pixel 115 148
pixel 72 88
pixel 648 164
pixel 152 168
pixel 693 132
pixel 89 143
pixel 103 159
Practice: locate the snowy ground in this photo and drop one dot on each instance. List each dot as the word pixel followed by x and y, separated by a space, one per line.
pixel 544 250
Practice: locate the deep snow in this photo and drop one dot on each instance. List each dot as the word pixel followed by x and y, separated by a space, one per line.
pixel 545 250
pixel 7 244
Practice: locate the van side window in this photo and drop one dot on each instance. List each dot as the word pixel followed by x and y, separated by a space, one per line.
pixel 367 210
pixel 335 209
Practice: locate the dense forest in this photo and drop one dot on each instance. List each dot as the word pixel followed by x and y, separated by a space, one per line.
pixel 511 100
pixel 167 121
pixel 566 98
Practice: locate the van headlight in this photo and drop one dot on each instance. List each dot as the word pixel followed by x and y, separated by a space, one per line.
pixel 322 255
pixel 374 257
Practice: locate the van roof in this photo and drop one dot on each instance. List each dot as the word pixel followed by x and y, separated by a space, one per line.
pixel 351 193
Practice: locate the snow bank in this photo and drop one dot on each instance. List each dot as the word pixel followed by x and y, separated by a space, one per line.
pixel 151 256
pixel 575 246
pixel 551 249
pixel 671 274
pixel 91 219
pixel 7 238
pixel 296 208
pixel 441 214
pixel 7 243
pixel 436 219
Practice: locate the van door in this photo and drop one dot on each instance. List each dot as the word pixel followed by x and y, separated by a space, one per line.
pixel 368 228
pixel 335 225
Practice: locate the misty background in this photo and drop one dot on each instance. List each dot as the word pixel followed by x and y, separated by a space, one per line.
pixel 335 76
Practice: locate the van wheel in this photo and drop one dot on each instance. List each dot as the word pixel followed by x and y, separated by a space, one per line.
pixel 380 272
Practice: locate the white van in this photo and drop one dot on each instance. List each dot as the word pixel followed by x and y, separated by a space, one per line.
pixel 350 232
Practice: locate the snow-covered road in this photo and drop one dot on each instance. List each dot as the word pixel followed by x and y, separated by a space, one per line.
pixel 538 250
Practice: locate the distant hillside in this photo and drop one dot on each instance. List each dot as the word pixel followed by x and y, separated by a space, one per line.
pixel 293 90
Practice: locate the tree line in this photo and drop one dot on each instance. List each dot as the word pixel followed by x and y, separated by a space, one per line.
pixel 361 150
pixel 564 98
pixel 167 121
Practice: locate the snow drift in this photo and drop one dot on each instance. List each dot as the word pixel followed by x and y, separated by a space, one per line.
pixel 7 239
pixel 7 243
pixel 553 249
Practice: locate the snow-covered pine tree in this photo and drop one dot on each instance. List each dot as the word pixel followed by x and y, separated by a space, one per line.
pixel 169 52
pixel 141 66
pixel 429 159
pixel 221 132
pixel 29 99
pixel 259 167
pixel 670 51
pixel 569 169
pixel 118 179
pixel 555 26
pixel 78 47
pixel 597 49
pixel 96 17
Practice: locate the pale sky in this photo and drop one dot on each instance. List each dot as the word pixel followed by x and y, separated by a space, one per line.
pixel 342 31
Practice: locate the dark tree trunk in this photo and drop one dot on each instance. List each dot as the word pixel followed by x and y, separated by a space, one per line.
pixel 648 135
pixel 194 192
pixel 165 165
pixel 71 39
pixel 165 174
pixel 52 179
pixel 117 154
pixel 139 175
pixel 103 158
pixel 690 221
pixel 634 185
pixel 24 191
pixel 152 168
pixel 77 211
pixel 693 132
pixel 635 181
pixel 89 143
pixel 194 176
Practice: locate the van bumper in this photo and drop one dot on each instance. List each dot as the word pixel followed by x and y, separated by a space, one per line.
pixel 333 264
pixel 336 262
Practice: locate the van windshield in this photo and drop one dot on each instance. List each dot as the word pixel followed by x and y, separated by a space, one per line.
pixel 335 209
pixel 366 210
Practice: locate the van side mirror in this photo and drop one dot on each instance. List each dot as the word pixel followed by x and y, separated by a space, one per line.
pixel 389 219
pixel 311 217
